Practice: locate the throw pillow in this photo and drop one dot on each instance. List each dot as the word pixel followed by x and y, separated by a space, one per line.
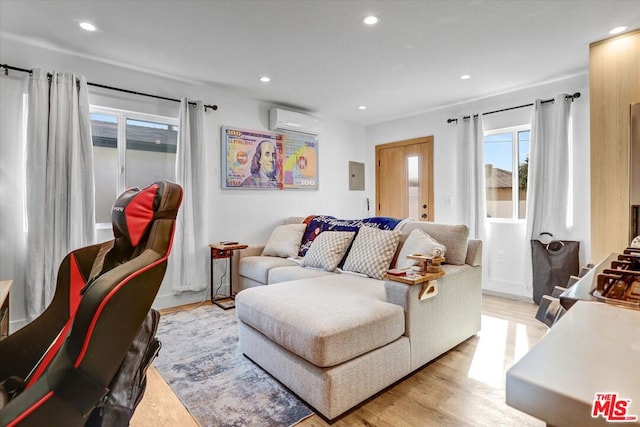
pixel 284 241
pixel 327 249
pixel 372 251
pixel 418 242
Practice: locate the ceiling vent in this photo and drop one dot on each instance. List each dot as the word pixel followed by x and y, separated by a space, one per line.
pixel 293 121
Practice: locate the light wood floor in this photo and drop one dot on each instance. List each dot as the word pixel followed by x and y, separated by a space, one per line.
pixel 464 387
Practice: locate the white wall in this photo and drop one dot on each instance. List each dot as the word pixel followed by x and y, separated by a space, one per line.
pixel 504 274
pixel 249 215
pixel 243 215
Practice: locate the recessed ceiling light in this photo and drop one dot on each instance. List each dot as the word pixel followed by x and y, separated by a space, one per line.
pixel 87 26
pixel 265 79
pixel 617 30
pixel 465 77
pixel 371 20
pixel 362 107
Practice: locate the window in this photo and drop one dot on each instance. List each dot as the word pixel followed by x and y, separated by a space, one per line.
pixel 506 156
pixel 129 150
pixel 413 186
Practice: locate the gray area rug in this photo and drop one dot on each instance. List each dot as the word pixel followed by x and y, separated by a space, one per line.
pixel 201 361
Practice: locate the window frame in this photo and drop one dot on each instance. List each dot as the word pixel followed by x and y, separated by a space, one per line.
pixel 515 154
pixel 121 140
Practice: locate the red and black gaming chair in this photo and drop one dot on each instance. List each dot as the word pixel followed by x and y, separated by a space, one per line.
pixel 66 358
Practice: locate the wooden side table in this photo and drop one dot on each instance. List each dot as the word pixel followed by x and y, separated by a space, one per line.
pixel 224 251
pixel 5 288
pixel 428 282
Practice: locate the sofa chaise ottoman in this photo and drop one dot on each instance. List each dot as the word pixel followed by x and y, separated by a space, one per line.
pixel 336 339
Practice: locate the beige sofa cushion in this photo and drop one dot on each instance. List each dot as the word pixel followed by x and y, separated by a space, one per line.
pixel 453 237
pixel 284 240
pixel 326 320
pixel 418 242
pixel 257 267
pixel 285 274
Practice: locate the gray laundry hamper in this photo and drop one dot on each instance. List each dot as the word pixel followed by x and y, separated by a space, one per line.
pixel 553 263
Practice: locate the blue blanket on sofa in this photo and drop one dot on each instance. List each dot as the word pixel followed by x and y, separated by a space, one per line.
pixel 316 224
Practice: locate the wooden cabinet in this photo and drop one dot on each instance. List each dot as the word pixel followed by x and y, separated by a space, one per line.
pixel 614 84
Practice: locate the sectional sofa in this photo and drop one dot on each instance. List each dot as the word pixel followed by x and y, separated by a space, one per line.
pixel 337 337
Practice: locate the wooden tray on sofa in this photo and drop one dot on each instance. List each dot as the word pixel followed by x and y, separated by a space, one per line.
pixel 428 282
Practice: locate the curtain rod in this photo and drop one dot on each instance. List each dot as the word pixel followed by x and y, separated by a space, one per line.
pixel 567 97
pixel 24 70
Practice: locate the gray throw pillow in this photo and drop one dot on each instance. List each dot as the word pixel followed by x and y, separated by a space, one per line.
pixel 372 251
pixel 327 249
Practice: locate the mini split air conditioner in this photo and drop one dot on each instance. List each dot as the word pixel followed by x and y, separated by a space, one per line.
pixel 293 121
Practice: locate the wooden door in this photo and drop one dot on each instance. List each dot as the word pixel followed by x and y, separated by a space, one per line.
pixel 404 179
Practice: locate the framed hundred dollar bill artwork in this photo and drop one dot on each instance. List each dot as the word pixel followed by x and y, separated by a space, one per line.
pixel 268 160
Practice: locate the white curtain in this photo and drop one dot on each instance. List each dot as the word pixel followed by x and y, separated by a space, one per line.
pixel 190 251
pixel 549 195
pixel 60 191
pixel 471 175
pixel 549 191
pixel 12 187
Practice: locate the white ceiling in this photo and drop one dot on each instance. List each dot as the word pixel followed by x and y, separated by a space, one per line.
pixel 321 57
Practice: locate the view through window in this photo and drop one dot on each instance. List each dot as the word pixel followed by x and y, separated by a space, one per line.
pixel 506 156
pixel 129 150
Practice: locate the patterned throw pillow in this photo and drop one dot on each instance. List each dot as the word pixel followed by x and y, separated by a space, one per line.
pixel 284 240
pixel 317 224
pixel 372 251
pixel 327 249
pixel 418 242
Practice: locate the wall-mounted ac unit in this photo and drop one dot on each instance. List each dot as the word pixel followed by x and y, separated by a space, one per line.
pixel 293 121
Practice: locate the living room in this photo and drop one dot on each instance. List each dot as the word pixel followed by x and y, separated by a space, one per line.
pixel 250 216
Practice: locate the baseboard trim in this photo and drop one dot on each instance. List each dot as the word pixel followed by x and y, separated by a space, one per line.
pixel 506 295
pixel 176 300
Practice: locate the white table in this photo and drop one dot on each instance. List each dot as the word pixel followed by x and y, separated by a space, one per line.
pixel 594 348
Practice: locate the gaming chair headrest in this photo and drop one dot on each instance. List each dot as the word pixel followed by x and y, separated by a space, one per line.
pixel 134 210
